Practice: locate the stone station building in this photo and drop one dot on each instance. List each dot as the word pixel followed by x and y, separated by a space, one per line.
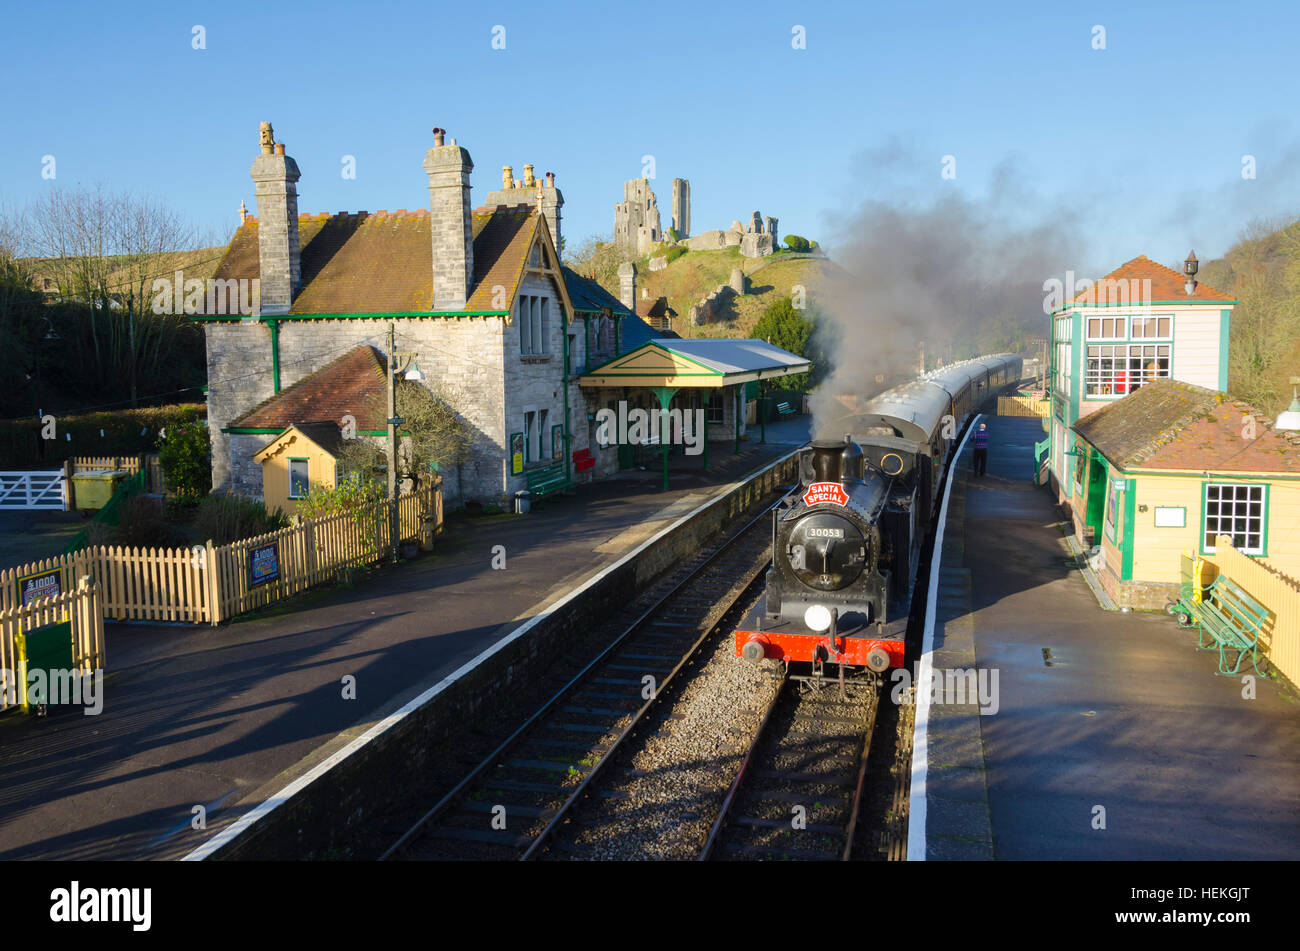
pixel 478 295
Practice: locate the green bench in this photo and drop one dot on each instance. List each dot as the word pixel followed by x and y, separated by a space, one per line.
pixel 547 480
pixel 784 409
pixel 1232 620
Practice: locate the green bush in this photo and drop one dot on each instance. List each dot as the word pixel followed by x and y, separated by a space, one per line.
pixel 797 243
pixel 673 253
pixel 228 518
pixel 344 497
pixel 185 454
pixel 122 432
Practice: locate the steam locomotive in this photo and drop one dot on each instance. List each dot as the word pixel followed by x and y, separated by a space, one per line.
pixel 846 540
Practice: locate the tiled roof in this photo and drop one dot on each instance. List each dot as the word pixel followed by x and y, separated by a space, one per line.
pixel 1166 285
pixel 588 296
pixel 1173 425
pixel 379 263
pixel 353 385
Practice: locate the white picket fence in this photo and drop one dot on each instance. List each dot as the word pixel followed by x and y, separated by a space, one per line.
pixel 39 489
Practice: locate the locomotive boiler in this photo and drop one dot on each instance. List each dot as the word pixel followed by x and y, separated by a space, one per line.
pixel 846 540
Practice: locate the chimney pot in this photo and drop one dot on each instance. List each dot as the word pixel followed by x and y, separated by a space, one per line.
pixel 279 148
pixel 437 135
pixel 528 176
pixel 507 176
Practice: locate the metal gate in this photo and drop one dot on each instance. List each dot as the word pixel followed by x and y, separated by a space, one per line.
pixel 32 490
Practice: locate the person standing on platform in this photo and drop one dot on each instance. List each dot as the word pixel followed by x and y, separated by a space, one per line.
pixel 981 450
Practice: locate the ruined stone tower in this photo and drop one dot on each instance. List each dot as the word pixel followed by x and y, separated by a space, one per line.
pixel 682 208
pixel 636 218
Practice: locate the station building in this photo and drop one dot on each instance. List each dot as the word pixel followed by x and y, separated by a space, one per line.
pixel 1182 465
pixel 498 326
pixel 1140 324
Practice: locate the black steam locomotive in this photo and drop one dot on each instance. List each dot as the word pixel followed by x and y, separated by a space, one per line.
pixel 845 542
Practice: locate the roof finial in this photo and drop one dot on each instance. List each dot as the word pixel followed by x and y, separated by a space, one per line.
pixel 243 211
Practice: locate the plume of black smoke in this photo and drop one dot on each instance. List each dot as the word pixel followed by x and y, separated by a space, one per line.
pixel 955 276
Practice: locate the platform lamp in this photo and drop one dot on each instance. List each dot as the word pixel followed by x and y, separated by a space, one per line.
pixel 1290 419
pixel 1190 267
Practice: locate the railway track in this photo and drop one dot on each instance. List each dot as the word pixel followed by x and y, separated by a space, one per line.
pixel 799 791
pixel 511 803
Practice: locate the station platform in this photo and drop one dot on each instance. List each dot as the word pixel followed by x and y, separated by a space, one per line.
pixel 1113 737
pixel 218 716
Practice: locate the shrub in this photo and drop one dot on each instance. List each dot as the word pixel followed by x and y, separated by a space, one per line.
pixel 141 525
pixel 344 497
pixel 797 243
pixel 185 454
pixel 673 253
pixel 228 518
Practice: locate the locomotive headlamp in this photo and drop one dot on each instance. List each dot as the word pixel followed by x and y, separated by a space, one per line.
pixel 817 617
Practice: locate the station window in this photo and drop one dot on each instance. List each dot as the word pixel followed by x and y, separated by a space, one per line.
pixel 298 482
pixel 1237 511
pixel 715 413
pixel 1115 370
pixel 533 319
pixel 1107 328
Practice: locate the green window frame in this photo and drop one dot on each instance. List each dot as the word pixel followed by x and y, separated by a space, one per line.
pixel 306 476
pixel 1114 499
pixel 1231 504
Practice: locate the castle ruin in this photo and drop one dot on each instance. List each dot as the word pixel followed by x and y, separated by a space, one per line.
pixel 636 218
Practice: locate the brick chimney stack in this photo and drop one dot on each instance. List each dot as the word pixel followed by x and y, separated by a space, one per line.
pixel 275 176
pixel 448 167
pixel 552 203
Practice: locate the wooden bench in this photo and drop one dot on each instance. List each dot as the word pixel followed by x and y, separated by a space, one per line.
pixel 784 409
pixel 547 480
pixel 1232 619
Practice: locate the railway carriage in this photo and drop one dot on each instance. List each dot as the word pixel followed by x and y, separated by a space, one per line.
pixel 846 540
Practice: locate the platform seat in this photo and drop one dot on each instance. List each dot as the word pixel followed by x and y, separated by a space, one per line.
pixel 547 480
pixel 1232 620
pixel 784 409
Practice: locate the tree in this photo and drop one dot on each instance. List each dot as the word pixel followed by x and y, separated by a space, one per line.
pixel 22 329
pixel 798 243
pixel 103 252
pixel 599 258
pixel 784 326
pixel 185 455
pixel 433 436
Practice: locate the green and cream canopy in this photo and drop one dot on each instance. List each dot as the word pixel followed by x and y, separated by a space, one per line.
pixel 703 363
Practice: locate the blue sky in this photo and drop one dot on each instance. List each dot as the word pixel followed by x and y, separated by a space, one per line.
pixel 1138 146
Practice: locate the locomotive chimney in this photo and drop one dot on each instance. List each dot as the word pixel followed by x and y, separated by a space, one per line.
pixel 828 454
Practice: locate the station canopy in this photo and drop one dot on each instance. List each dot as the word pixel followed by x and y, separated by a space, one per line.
pixel 702 363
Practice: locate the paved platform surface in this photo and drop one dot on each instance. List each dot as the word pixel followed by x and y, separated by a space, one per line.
pixel 1096 708
pixel 206 716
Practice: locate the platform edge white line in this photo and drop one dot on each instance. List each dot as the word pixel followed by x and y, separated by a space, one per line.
pixel 916 808
pixel 271 803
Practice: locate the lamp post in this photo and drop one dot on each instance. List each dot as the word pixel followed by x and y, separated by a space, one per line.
pixel 394 421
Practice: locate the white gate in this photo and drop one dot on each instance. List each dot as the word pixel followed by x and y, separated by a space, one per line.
pixel 32 490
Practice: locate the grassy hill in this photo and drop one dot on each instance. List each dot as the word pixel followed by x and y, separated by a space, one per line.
pixel 693 275
pixel 697 273
pixel 1262 271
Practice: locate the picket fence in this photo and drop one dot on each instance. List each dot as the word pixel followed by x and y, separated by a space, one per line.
pixel 81 607
pixel 210 583
pixel 1022 406
pixel 1280 593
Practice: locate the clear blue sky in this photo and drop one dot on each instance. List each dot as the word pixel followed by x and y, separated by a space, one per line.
pixel 1139 145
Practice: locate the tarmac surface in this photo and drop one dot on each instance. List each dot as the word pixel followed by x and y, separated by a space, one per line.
pixel 1114 738
pixel 209 716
